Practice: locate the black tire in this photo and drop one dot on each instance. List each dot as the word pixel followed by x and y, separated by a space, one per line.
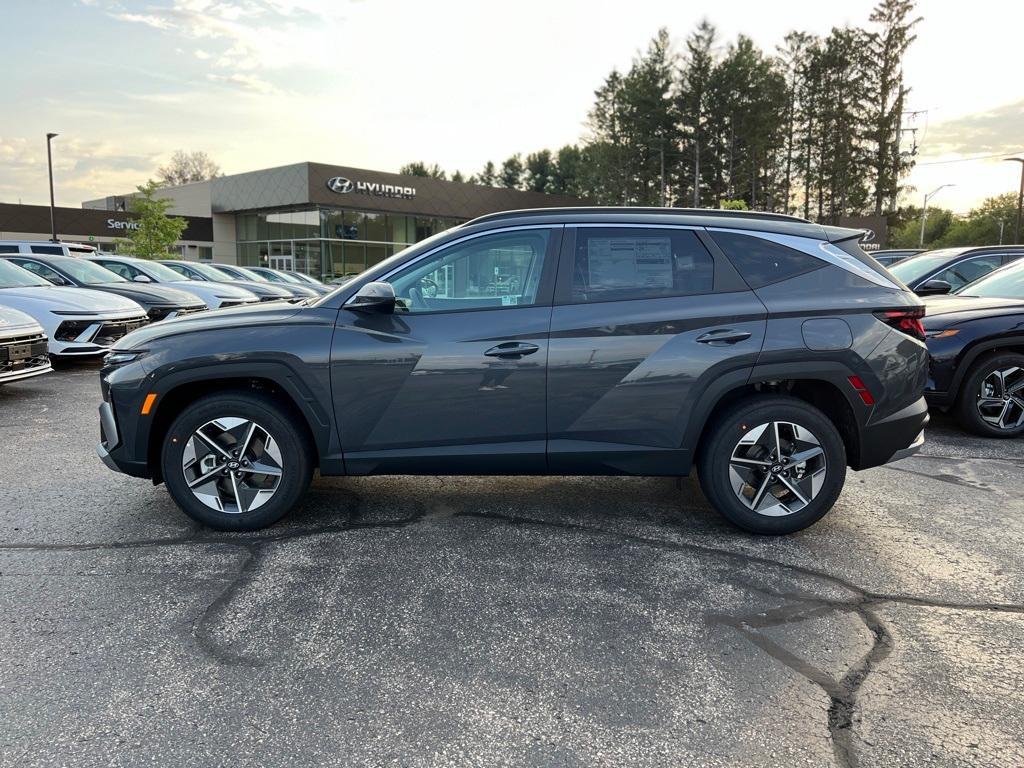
pixel 279 423
pixel 724 434
pixel 967 411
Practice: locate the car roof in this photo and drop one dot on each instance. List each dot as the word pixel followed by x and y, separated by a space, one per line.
pixel 699 217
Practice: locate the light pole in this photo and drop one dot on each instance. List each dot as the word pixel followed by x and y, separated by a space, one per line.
pixel 1020 196
pixel 49 164
pixel 924 208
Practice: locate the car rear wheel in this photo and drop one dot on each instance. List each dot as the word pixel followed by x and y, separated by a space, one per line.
pixel 772 465
pixel 992 396
pixel 235 461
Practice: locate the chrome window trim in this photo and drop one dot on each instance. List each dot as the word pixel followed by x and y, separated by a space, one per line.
pixel 450 243
pixel 819 249
pixel 617 225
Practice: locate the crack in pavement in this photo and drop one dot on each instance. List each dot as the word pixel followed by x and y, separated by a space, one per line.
pixel 799 606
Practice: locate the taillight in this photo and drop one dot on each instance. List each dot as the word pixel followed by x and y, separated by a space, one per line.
pixel 906 320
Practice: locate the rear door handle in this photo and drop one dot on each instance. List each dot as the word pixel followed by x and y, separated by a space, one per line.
pixel 512 350
pixel 722 336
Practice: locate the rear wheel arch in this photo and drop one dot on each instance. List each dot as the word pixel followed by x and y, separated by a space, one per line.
pixel 822 394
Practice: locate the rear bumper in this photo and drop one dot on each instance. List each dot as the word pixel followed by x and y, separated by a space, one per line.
pixel 895 437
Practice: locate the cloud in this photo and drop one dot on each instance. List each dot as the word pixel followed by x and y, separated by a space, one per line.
pixel 990 132
pixel 81 169
pixel 248 36
pixel 245 82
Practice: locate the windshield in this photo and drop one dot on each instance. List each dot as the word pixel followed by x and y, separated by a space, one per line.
pixel 86 272
pixel 913 269
pixel 160 272
pixel 13 276
pixel 210 273
pixel 1005 283
pixel 246 274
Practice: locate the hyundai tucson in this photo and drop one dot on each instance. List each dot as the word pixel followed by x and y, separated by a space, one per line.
pixel 766 351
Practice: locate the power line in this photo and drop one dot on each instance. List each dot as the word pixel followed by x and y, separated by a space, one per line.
pixel 971 159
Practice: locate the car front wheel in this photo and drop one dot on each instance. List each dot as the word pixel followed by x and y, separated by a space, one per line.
pixel 772 465
pixel 992 397
pixel 235 461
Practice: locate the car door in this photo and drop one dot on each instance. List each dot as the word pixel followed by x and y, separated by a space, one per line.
pixel 453 381
pixel 648 322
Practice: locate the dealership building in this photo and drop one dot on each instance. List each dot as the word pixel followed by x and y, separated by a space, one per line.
pixel 324 220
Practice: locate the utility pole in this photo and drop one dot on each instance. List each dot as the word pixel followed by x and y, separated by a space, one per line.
pixel 49 164
pixel 1020 197
pixel 924 208
pixel 662 171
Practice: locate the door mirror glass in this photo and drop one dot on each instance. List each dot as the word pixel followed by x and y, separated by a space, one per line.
pixel 142 279
pixel 374 297
pixel 934 288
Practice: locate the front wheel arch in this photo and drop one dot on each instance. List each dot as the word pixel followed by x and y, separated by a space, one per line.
pixel 174 401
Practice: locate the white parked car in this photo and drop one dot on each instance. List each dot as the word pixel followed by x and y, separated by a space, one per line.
pixel 78 322
pixel 45 248
pixel 23 347
pixel 216 295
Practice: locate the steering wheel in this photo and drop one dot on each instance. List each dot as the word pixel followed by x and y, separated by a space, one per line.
pixel 428 288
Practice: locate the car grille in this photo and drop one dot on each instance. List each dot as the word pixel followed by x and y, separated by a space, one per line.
pixel 13 350
pixel 160 313
pixel 112 330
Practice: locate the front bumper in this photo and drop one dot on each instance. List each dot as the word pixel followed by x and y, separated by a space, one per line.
pixel 111 449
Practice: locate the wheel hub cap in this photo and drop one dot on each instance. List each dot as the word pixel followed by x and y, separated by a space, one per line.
pixel 1001 398
pixel 777 468
pixel 232 465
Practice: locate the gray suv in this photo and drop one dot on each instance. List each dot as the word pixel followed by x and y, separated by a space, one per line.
pixel 769 352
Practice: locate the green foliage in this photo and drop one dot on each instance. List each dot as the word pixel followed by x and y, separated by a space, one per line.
pixel 157 231
pixel 423 170
pixel 814 130
pixel 733 205
pixel 945 230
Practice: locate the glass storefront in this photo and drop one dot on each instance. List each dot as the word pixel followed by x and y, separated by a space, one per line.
pixel 328 242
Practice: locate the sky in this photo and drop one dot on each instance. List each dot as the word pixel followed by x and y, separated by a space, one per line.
pixel 378 83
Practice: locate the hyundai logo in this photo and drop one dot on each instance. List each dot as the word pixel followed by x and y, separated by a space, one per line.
pixel 339 184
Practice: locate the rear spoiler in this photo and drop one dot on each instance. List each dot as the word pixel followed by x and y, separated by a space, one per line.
pixel 842 234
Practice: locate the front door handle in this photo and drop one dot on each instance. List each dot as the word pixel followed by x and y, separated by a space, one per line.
pixel 722 336
pixel 512 350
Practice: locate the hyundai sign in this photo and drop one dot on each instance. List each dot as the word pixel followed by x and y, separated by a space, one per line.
pixel 343 186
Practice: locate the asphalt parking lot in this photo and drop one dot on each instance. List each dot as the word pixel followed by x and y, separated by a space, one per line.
pixel 506 621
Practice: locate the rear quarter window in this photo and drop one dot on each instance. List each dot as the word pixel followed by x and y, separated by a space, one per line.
pixel 761 262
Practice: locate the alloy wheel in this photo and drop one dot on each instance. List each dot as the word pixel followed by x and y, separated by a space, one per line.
pixel 1001 398
pixel 777 468
pixel 232 465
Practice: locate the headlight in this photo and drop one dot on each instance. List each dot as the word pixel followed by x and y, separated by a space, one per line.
pixel 118 357
pixel 943 334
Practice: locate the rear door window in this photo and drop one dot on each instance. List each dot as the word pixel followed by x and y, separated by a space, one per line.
pixel 761 262
pixel 40 269
pixel 625 263
pixel 50 250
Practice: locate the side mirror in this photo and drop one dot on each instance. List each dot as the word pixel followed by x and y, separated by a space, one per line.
pixel 58 280
pixel 934 288
pixel 142 279
pixel 374 297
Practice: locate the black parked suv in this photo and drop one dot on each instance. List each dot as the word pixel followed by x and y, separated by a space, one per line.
pixel 769 351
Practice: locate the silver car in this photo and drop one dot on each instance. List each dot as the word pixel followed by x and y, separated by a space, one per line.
pixel 23 347
pixel 78 322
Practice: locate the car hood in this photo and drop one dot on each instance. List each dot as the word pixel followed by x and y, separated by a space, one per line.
pixel 160 295
pixel 234 317
pixel 946 310
pixel 12 322
pixel 262 289
pixel 63 299
pixel 224 290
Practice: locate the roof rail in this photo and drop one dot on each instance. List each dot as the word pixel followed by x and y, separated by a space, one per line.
pixel 706 212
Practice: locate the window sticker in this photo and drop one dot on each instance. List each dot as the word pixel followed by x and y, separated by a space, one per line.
pixel 630 262
pixel 509 301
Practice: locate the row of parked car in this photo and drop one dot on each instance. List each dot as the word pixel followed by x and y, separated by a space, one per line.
pixel 64 300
